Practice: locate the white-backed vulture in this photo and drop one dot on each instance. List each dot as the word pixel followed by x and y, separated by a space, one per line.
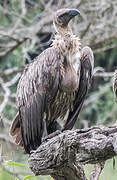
pixel 52 88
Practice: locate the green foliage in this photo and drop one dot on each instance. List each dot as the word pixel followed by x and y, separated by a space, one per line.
pixel 103 109
pixel 107 174
pixel 12 59
pixel 107 59
pixel 16 167
pixel 28 177
pixel 9 112
pixel 5 175
pixel 15 164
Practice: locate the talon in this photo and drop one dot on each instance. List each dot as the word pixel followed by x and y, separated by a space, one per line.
pixel 31 152
pixel 44 139
pixel 58 132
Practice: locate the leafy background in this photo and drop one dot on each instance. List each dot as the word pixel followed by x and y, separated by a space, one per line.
pixel 25 31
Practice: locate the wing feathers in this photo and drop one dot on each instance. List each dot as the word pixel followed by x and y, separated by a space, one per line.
pixel 15 130
pixel 31 124
pixel 39 80
pixel 87 63
pixel 15 125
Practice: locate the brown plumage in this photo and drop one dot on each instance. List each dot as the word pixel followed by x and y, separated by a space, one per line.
pixel 52 89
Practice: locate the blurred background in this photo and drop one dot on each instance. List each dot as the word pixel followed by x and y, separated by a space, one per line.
pixel 26 29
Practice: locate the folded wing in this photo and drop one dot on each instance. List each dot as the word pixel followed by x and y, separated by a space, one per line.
pixel 87 64
pixel 38 78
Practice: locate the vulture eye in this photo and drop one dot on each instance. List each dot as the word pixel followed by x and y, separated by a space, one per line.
pixel 63 19
pixel 62 16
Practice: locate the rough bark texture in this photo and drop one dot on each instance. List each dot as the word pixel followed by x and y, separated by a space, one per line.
pixel 62 157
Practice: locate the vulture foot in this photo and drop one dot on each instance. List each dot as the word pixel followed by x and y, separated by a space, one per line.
pixel 46 138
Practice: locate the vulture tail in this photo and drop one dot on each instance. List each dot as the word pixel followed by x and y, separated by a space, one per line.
pixel 15 131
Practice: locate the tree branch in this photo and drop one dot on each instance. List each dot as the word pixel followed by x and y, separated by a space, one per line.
pixel 62 157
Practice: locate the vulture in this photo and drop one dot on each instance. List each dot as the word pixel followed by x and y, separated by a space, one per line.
pixel 52 88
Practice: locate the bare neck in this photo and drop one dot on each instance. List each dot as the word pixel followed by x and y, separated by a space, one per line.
pixel 63 31
pixel 66 42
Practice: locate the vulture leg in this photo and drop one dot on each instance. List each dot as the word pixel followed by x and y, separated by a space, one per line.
pixel 45 133
pixel 55 131
pixel 56 126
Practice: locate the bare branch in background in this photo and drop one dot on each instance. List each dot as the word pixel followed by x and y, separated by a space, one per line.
pixel 6 90
pixel 11 71
pixel 6 138
pixel 98 19
pixel 5 121
pixel 97 171
pixel 97 95
pixel 104 74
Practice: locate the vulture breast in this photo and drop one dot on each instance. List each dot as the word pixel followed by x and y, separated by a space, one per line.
pixel 70 73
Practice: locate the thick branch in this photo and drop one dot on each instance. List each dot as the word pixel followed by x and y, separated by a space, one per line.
pixel 62 157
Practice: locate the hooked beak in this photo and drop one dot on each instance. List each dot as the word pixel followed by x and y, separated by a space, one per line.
pixel 68 15
pixel 73 12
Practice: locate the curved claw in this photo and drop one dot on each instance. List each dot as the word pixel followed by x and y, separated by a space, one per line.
pixel 46 138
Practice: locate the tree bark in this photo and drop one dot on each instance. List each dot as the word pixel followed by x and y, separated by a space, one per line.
pixel 64 155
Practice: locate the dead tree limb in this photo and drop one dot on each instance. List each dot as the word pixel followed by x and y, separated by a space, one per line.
pixel 63 156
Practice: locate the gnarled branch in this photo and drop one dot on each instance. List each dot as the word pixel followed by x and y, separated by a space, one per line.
pixel 63 156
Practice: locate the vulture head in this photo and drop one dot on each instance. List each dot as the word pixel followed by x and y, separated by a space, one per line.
pixel 62 18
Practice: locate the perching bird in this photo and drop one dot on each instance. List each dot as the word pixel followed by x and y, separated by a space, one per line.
pixel 52 89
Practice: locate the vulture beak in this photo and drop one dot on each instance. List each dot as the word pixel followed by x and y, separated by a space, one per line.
pixel 67 15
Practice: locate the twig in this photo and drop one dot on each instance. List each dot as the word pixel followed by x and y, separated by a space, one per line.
pixel 97 171
pixel 104 74
pixel 7 139
pixel 7 91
